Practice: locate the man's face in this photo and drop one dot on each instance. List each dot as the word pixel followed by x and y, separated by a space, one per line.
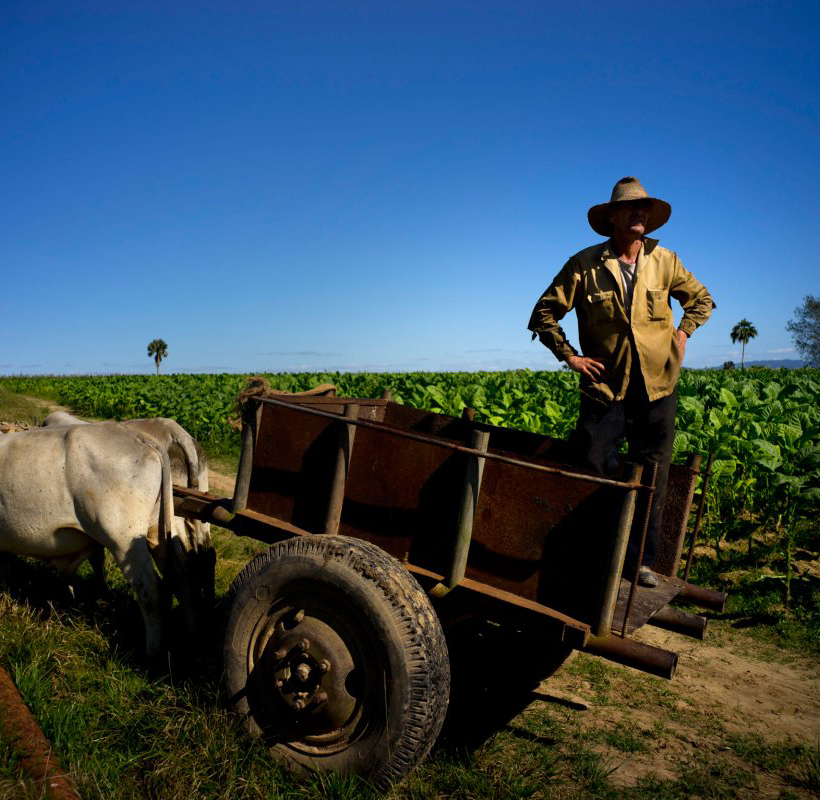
pixel 630 218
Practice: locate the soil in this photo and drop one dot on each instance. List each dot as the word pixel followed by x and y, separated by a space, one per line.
pixel 730 686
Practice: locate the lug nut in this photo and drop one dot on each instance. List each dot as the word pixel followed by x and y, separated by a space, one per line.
pixel 324 665
pixel 302 672
pixel 320 697
pixel 299 704
pixel 280 654
pixel 304 645
pixel 279 683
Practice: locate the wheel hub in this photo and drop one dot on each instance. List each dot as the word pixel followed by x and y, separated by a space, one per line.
pixel 308 668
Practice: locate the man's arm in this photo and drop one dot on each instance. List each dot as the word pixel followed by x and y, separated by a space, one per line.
pixel 693 296
pixel 552 306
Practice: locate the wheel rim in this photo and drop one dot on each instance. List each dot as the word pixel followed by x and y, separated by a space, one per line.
pixel 312 666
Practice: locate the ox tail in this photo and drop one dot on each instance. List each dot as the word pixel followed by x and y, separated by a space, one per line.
pixel 196 463
pixel 183 440
pixel 166 500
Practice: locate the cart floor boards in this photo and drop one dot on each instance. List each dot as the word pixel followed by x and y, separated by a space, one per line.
pixel 645 602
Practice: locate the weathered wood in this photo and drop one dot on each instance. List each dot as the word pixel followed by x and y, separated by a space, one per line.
pixel 645 602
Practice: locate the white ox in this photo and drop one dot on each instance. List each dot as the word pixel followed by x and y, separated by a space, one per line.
pixel 66 491
pixel 193 566
pixel 189 463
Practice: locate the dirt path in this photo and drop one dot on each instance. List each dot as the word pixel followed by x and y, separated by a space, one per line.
pixel 770 698
pixel 733 703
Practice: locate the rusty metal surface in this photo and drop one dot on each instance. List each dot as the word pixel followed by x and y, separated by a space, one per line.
pixel 471 489
pixel 673 619
pixel 472 589
pixel 346 434
pixel 538 524
pixel 680 489
pixel 631 653
pixel 194 504
pixel 25 737
pixel 701 597
pixel 369 408
pixel 445 443
pixel 650 481
pixel 404 496
pixel 618 549
pixel 699 516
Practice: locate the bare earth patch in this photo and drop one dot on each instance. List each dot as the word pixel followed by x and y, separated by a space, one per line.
pixel 720 695
pixel 766 697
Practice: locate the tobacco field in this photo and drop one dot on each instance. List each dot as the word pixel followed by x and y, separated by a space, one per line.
pixel 762 425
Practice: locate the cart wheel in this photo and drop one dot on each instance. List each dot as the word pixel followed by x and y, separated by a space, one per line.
pixel 334 654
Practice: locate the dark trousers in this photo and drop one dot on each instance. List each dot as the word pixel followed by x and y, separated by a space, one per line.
pixel 649 429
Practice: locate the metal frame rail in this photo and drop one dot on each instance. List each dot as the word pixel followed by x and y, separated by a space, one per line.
pixel 596 638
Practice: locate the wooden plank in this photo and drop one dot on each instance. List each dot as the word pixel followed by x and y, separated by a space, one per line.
pixel 645 603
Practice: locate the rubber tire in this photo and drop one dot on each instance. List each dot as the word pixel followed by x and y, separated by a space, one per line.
pixel 405 645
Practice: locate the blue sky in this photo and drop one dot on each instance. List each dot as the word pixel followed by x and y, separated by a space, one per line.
pixel 386 185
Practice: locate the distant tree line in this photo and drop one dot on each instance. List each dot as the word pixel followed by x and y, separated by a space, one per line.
pixel 805 330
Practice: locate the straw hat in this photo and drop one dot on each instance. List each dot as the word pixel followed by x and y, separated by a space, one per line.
pixel 625 190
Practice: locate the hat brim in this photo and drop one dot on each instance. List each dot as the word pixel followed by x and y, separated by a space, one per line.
pixel 598 216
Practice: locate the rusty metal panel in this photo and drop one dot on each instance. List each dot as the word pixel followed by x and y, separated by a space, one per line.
pixel 509 440
pixel 679 492
pixel 543 537
pixel 414 419
pixel 403 496
pixel 292 466
pixel 369 408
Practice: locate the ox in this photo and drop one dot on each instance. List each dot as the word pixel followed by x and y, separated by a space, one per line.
pixel 67 491
pixel 192 569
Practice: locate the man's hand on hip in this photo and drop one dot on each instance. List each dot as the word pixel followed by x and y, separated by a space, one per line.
pixel 593 368
pixel 682 337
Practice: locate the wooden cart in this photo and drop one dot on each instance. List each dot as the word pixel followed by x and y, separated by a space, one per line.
pixel 393 531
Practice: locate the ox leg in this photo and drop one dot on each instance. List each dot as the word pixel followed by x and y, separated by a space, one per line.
pixel 138 567
pixel 97 561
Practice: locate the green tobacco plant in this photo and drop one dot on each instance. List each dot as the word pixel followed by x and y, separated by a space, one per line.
pixel 794 493
pixel 754 422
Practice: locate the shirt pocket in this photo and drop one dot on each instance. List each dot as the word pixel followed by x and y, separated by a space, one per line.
pixel 657 303
pixel 601 306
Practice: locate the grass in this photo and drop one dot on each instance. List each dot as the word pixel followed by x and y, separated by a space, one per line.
pixel 757 592
pixel 123 735
pixel 16 408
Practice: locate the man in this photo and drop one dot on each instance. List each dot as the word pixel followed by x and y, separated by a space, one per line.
pixel 632 353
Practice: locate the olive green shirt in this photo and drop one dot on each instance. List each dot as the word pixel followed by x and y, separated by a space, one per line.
pixel 590 282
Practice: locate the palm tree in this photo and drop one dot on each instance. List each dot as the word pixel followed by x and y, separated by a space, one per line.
pixel 158 349
pixel 742 332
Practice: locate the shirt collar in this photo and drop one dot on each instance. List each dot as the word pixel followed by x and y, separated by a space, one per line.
pixel 607 250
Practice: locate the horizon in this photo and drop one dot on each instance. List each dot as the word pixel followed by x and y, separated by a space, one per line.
pixel 788 364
